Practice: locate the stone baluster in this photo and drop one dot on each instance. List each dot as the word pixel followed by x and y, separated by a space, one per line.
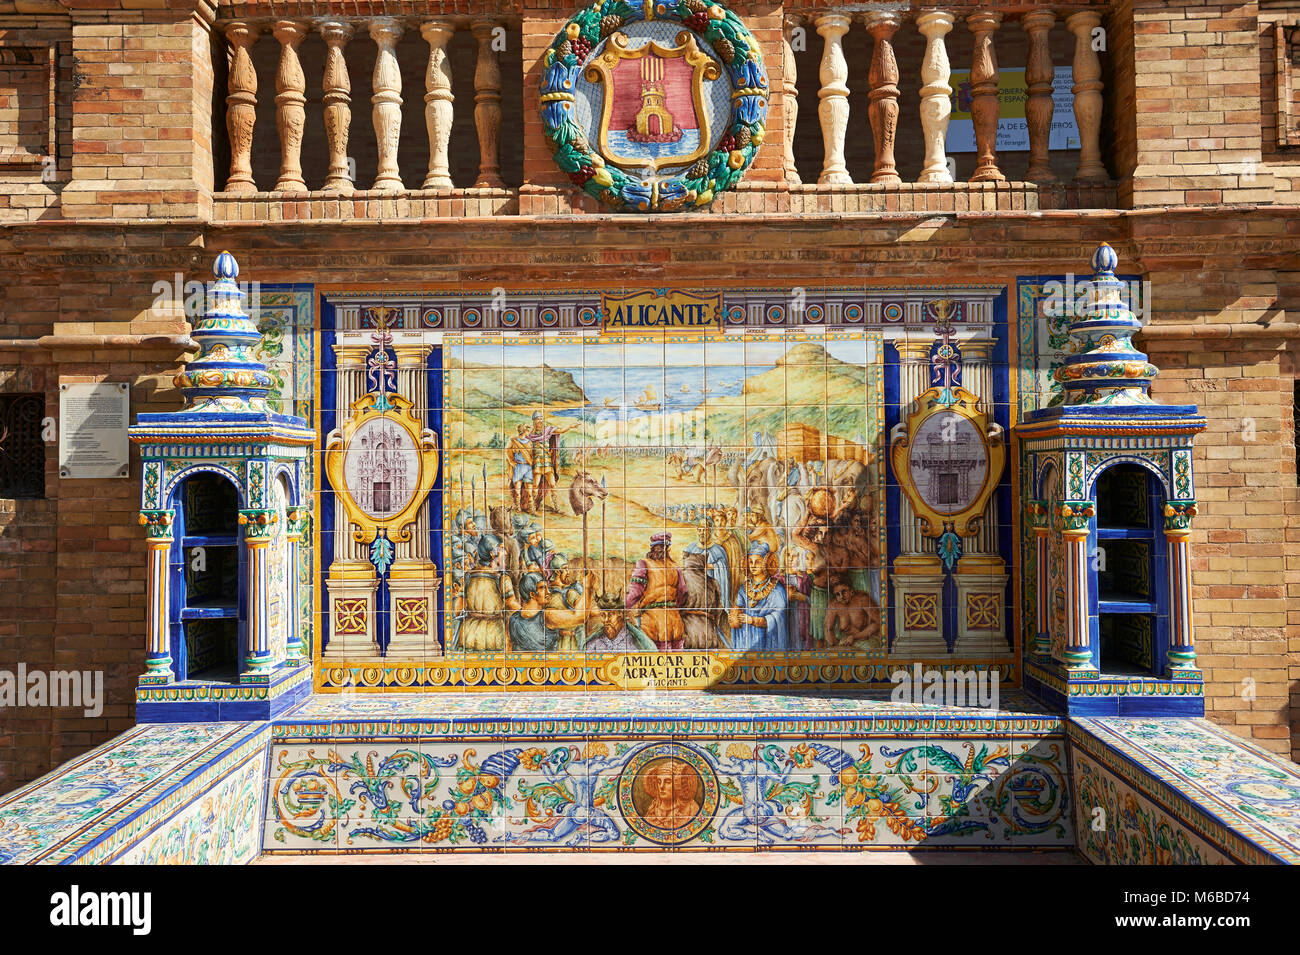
pixel 387 100
pixel 241 107
pixel 833 110
pixel 789 99
pixel 984 96
pixel 438 102
pixel 1039 106
pixel 883 111
pixel 487 108
pixel 290 105
pixel 337 89
pixel 936 95
pixel 1087 95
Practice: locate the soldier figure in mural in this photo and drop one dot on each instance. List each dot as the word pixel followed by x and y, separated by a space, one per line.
pixel 545 464
pixel 519 453
pixel 656 591
pixel 703 616
pixel 489 593
pixel 715 559
pixel 537 624
pixel 566 593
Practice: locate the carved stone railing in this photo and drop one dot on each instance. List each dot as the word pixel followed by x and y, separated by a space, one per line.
pixel 935 188
pixel 834 190
pixel 338 196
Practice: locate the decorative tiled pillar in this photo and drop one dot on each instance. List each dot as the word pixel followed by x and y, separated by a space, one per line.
pixel 296 523
pixel 883 111
pixel 1038 519
pixel 1087 95
pixel 259 525
pixel 438 101
pixel 337 96
pixel 487 107
pixel 351 583
pixel 158 658
pixel 387 102
pixel 917 580
pixel 241 107
pixel 1178 531
pixel 984 96
pixel 226 425
pixel 1039 106
pixel 833 110
pixel 290 105
pixel 936 95
pixel 1074 518
pixel 1107 411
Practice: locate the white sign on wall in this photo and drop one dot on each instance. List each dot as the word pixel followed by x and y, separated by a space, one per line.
pixel 93 421
pixel 1013 128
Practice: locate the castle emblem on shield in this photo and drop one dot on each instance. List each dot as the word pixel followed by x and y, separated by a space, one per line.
pixel 653 112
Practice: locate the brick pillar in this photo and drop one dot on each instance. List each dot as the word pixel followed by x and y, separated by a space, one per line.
pixel 1197 105
pixel 126 162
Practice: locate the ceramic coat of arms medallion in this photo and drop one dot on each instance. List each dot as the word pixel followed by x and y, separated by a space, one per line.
pixel 654 107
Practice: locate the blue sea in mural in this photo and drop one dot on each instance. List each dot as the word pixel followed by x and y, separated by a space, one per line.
pixel 622 146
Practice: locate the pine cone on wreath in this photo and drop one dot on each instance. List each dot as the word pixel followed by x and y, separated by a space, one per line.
pixel 564 50
pixel 609 24
pixel 696 6
pixel 725 50
pixel 699 170
pixel 742 137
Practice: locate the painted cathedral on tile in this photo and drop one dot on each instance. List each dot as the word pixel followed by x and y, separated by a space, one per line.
pixel 678 475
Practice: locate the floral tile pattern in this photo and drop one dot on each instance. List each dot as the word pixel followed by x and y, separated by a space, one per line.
pixel 1195 776
pixel 92 807
pixel 670 792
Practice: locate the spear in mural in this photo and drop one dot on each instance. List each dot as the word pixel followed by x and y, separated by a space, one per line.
pixel 486 506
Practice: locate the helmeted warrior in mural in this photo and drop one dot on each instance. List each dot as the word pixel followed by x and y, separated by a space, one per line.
pixel 537 624
pixel 545 440
pixel 489 593
pixel 655 593
pixel 758 620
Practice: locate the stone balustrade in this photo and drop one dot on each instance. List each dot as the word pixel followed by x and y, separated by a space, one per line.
pixel 935 24
pixel 894 113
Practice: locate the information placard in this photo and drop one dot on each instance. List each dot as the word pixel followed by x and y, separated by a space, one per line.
pixel 1013 129
pixel 93 421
